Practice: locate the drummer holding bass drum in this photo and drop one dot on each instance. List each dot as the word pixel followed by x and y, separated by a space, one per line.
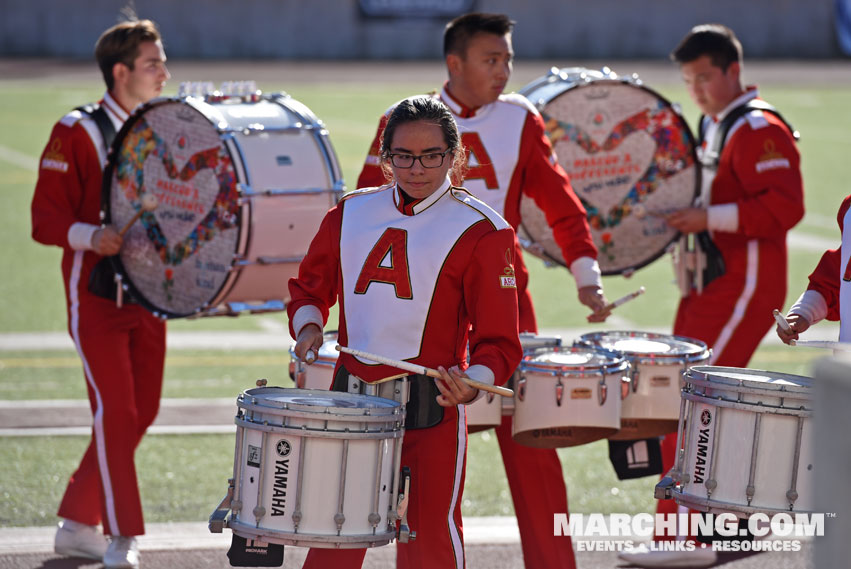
pixel 509 157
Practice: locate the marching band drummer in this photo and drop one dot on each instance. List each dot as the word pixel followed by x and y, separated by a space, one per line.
pixel 415 264
pixel 122 346
pixel 508 156
pixel 828 284
pixel 752 196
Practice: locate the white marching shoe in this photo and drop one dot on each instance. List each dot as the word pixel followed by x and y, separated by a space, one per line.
pixel 123 552
pixel 74 539
pixel 642 556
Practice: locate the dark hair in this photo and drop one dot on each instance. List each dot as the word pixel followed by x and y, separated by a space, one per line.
pixel 427 109
pixel 459 31
pixel 715 40
pixel 120 44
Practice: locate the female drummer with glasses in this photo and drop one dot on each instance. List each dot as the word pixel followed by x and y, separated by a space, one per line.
pixel 420 268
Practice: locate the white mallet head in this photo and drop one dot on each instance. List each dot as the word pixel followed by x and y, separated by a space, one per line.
pixel 149 202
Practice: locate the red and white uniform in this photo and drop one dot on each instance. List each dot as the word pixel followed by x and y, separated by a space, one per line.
pixel 829 293
pixel 411 280
pixel 508 156
pixel 123 349
pixel 755 197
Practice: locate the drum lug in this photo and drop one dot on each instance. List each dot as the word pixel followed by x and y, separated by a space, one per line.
pixel 218 519
pixel 664 488
pixel 403 532
pixel 521 388
pixel 635 376
pixel 602 391
pixel 490 397
pixel 625 383
pixel 559 391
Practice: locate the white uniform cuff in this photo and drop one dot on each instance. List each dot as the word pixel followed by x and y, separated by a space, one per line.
pixel 307 314
pixel 80 236
pixel 480 373
pixel 811 305
pixel 586 271
pixel 723 217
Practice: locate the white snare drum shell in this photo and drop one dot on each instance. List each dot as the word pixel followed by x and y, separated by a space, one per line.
pixel 330 449
pixel 567 396
pixel 746 440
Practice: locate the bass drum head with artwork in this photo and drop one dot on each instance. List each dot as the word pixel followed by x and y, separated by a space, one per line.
pixel 630 157
pixel 170 150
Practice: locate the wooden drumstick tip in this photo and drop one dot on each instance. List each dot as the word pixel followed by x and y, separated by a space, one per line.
pixel 781 321
pixel 310 356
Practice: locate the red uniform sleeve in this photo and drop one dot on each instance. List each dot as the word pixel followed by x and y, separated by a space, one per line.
pixel 826 277
pixel 58 202
pixel 492 306
pixel 372 175
pixel 545 181
pixel 319 272
pixel 767 163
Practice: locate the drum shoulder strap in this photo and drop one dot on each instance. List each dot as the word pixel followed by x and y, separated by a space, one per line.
pixel 712 156
pixel 104 124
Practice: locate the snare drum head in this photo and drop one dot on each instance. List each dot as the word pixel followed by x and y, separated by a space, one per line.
pixel 317 400
pixel 646 343
pixel 176 257
pixel 630 157
pixel 570 358
pixel 751 378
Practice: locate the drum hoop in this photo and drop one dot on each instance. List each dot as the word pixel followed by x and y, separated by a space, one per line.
pixel 357 414
pixel 268 405
pixel 700 352
pixel 396 432
pixel 106 194
pixel 743 406
pixel 705 374
pixel 305 539
pixel 697 168
pixel 686 499
pixel 616 364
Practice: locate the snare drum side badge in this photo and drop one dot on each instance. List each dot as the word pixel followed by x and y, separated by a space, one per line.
pixel 507 279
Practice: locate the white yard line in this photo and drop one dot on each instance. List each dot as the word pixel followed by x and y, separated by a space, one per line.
pixel 19 159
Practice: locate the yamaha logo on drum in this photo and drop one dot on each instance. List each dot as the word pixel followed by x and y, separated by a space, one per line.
pixel 283 447
pixel 705 417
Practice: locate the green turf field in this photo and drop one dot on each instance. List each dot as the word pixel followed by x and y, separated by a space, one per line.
pixel 182 478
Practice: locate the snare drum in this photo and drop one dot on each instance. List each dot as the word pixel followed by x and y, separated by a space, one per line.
pixel 657 363
pixel 488 411
pixel 630 156
pixel 745 437
pixel 316 468
pixel 319 374
pixel 568 396
pixel 242 184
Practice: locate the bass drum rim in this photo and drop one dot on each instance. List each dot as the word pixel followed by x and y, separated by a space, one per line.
pixel 633 81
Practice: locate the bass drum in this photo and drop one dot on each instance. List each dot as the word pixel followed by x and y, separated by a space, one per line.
pixel 630 157
pixel 241 184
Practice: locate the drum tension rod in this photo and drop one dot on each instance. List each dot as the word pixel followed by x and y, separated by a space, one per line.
pixel 404 534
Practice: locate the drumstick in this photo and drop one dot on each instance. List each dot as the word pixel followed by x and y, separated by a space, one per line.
pixel 782 322
pixel 416 368
pixel 310 356
pixel 623 300
pixel 149 203
pixel 842 346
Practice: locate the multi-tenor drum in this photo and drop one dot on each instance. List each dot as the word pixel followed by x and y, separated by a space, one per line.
pixel 488 411
pixel 630 157
pixel 568 396
pixel 744 436
pixel 320 373
pixel 242 184
pixel 657 363
pixel 316 468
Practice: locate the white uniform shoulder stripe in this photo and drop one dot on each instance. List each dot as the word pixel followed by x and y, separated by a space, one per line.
pixel 71 118
pixel 756 119
pixel 486 211
pixel 365 191
pixel 519 100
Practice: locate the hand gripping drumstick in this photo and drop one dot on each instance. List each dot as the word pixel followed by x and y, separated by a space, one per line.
pixel 504 391
pixel 782 322
pixel 623 300
pixel 841 346
pixel 149 203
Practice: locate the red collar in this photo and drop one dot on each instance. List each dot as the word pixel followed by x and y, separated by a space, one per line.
pixel 464 111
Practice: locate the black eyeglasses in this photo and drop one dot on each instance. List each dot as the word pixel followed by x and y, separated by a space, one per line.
pixel 430 160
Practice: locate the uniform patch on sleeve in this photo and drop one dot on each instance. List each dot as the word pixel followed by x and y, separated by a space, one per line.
pixel 771 159
pixel 507 279
pixel 53 158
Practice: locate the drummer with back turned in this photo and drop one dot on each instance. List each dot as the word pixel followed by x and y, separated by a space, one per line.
pixel 122 346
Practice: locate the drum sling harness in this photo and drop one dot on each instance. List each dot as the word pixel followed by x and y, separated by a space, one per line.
pixel 103 280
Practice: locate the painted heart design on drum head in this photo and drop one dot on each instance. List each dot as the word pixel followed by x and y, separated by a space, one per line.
pixel 173 152
pixel 630 158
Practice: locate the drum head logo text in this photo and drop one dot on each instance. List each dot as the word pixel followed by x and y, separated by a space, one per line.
pixel 283 447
